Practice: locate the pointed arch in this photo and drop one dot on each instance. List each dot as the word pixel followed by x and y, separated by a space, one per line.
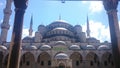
pixel 61 65
pixel 27 60
pixel 76 59
pixel 92 60
pixel 107 60
pixel 44 60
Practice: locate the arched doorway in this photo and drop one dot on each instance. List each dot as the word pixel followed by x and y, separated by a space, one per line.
pixel 76 60
pixel 107 60
pixel 61 65
pixel 27 60
pixel 44 60
pixel 92 60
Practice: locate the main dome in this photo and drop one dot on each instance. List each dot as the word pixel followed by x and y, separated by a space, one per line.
pixel 60 23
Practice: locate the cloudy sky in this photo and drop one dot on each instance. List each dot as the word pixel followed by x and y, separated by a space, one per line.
pixel 74 12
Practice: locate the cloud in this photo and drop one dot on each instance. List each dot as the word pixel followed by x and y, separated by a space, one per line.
pixel 2 4
pixel 96 6
pixel 98 30
pixel 25 32
pixel 84 2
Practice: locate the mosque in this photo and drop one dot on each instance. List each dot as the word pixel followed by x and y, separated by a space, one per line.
pixel 61 45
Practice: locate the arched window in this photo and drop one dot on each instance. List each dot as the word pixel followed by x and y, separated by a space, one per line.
pixel 77 63
pixel 49 62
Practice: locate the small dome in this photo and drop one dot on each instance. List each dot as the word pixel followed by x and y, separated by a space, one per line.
pixel 30 47
pixel 90 47
pixel 61 56
pixel 45 47
pixel 74 47
pixel 103 47
pixel 3 47
pixel 28 39
pixel 60 42
pixel 59 28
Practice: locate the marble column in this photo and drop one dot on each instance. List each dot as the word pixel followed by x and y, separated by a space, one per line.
pixel 5 25
pixel 14 55
pixel 111 8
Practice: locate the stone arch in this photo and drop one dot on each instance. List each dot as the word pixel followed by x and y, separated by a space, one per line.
pixel 27 60
pixel 76 58
pixel 1 59
pixel 107 60
pixel 92 60
pixel 61 65
pixel 44 60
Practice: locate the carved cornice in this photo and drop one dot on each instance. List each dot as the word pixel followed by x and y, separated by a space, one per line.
pixel 110 5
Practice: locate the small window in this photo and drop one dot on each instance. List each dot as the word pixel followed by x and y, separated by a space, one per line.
pixel 105 63
pixel 77 63
pixel 98 63
pixel 91 63
pixel 42 63
pixel 27 63
pixel 49 62
pixel 112 63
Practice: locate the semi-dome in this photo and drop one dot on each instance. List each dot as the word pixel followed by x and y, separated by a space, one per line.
pixel 103 47
pixel 90 47
pixel 45 47
pixel 27 39
pixel 3 47
pixel 61 56
pixel 60 42
pixel 31 47
pixel 59 28
pixel 74 47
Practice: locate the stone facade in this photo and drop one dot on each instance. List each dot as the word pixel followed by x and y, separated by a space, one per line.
pixel 61 45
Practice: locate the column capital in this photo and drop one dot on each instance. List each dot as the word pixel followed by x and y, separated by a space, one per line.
pixel 110 5
pixel 21 4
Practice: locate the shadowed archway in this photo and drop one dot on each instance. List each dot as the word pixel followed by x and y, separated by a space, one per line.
pixel 44 60
pixel 76 60
pixel 61 65
pixel 27 60
pixel 107 60
pixel 92 60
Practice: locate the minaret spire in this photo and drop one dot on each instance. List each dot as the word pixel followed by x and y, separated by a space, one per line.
pixel 30 29
pixel 59 16
pixel 88 27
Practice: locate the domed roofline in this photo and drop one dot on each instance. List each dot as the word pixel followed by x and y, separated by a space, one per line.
pixel 61 56
pixel 59 23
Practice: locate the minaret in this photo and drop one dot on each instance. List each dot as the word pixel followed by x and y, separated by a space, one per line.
pixel 88 28
pixel 5 24
pixel 59 16
pixel 30 29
